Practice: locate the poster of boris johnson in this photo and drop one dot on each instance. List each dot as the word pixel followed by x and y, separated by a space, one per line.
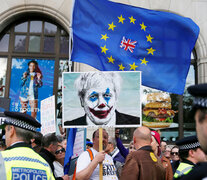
pixel 101 99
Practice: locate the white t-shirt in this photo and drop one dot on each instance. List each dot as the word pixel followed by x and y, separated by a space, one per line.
pixel 58 169
pixel 109 170
pixel 31 87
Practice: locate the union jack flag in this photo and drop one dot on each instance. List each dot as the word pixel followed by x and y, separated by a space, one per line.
pixel 128 44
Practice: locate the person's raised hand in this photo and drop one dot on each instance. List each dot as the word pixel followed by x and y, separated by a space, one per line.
pixel 25 75
pixel 65 177
pixel 117 133
pixel 39 75
pixel 100 157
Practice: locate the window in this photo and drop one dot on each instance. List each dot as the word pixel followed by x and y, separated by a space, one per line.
pixel 3 67
pixel 27 40
pixel 37 36
pixel 4 43
pixel 34 38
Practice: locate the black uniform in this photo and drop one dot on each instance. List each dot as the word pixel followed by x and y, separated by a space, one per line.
pixel 185 145
pixel 199 92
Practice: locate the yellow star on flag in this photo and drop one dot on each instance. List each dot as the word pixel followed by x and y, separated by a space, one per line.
pixel 121 67
pixel 143 26
pixel 133 66
pixel 151 51
pixel 121 19
pixel 149 38
pixel 104 49
pixel 104 37
pixel 111 26
pixel 144 61
pixel 111 59
pixel 132 20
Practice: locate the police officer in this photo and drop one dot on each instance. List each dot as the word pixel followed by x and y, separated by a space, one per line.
pixel 19 160
pixel 200 108
pixel 190 154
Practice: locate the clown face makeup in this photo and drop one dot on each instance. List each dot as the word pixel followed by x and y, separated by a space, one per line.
pixel 99 103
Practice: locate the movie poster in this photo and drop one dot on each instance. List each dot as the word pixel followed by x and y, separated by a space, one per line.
pixel 31 82
pixel 101 99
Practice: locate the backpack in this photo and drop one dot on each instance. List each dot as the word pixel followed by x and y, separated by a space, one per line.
pixel 91 157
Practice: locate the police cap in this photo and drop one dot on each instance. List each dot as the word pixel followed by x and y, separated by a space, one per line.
pixel 200 95
pixel 187 143
pixel 20 120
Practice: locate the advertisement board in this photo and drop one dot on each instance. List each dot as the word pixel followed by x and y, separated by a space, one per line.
pixel 31 82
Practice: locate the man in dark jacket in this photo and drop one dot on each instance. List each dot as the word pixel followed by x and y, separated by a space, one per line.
pixel 142 164
pixel 50 144
pixel 36 142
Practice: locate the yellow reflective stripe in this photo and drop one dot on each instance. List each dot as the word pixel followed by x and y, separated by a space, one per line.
pixel 23 157
pixel 186 170
pixel 2 168
pixel 183 169
pixel 51 175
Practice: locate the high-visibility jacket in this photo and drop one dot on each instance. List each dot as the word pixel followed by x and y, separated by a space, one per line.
pixel 23 163
pixel 183 169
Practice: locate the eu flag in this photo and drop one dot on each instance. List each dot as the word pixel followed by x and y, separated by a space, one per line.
pixel 69 149
pixel 112 36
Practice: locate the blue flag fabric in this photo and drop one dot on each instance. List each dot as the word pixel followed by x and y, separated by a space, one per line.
pixel 69 149
pixel 112 36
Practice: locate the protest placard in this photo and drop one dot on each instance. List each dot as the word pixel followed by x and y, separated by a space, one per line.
pixel 101 99
pixel 48 115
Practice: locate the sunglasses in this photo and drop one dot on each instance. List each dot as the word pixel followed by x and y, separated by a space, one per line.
pixel 60 151
pixel 174 153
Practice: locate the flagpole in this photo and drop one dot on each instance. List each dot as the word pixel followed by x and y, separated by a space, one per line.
pixel 100 149
pixel 71 36
pixel 70 48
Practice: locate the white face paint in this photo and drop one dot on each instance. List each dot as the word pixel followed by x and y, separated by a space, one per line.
pixel 100 103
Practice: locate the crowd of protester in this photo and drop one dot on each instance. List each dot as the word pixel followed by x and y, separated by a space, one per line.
pixel 146 157
pixel 166 155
